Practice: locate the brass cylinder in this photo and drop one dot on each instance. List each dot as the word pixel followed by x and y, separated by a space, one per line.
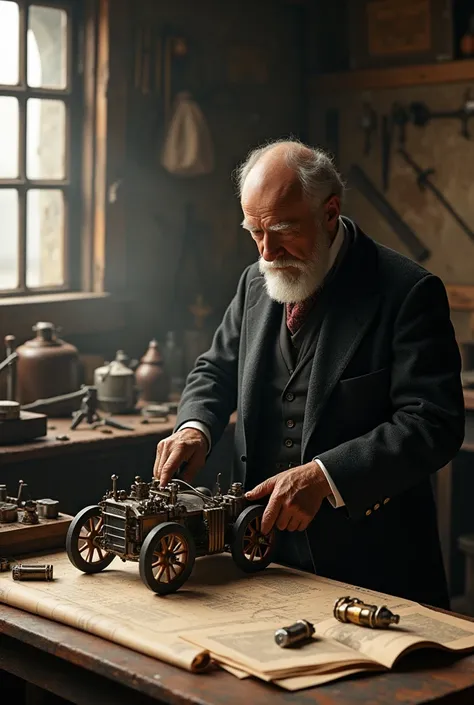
pixel 350 609
pixel 22 571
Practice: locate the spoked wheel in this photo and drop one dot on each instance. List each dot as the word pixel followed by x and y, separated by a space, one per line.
pixel 252 550
pixel 167 557
pixel 81 546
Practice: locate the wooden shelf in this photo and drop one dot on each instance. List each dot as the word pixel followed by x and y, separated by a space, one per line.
pixel 377 79
pixel 461 297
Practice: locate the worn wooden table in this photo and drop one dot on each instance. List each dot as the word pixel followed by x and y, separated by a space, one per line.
pixel 77 471
pixel 86 670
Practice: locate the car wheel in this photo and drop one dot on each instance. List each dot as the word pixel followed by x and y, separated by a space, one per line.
pixel 81 544
pixel 167 557
pixel 252 550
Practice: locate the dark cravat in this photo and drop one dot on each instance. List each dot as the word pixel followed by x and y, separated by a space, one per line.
pixel 296 313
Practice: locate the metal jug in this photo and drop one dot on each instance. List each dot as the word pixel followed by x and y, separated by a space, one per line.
pixel 115 383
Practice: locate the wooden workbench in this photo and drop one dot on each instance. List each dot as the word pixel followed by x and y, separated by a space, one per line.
pixel 87 670
pixel 77 471
pixel 85 438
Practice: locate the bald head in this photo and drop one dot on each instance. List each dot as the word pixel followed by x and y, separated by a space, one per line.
pixel 272 178
pixel 285 164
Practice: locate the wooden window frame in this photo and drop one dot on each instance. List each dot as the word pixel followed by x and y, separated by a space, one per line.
pixel 96 300
pixel 72 99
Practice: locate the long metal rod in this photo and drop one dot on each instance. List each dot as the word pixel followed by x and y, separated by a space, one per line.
pixel 424 182
pixel 412 242
pixel 8 360
pixel 53 400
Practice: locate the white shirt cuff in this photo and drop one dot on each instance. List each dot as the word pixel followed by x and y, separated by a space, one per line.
pixel 335 499
pixel 200 427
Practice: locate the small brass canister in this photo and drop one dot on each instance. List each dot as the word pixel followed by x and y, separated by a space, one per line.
pixel 350 609
pixel 300 631
pixel 22 571
pixel 8 513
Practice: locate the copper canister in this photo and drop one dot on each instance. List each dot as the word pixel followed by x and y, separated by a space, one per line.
pixel 151 377
pixel 48 367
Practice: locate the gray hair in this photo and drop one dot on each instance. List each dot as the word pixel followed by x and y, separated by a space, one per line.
pixel 314 168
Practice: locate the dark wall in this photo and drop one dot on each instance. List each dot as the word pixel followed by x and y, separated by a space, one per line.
pixel 244 67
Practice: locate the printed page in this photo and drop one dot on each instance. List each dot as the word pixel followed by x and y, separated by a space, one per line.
pixel 418 627
pixel 116 605
pixel 252 648
pixel 300 682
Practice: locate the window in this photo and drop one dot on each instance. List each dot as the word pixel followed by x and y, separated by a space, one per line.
pixel 40 146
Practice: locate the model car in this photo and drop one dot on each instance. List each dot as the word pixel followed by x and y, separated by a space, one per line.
pixel 165 529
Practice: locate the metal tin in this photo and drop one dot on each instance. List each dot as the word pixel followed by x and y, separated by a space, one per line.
pixel 47 367
pixel 47 508
pixel 9 410
pixel 22 571
pixel 8 513
pixel 156 411
pixel 294 634
pixel 115 384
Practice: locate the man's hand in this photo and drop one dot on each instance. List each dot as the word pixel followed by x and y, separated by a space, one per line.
pixel 296 496
pixel 187 446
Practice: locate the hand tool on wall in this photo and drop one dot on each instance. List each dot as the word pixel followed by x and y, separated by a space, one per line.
pixel 359 179
pixel 393 124
pixel 421 115
pixel 424 182
pixel 368 122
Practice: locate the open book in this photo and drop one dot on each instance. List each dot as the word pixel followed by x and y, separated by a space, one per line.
pixel 336 648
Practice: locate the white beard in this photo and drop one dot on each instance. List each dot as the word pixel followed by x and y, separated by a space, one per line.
pixel 290 287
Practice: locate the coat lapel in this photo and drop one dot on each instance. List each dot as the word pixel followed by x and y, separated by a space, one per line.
pixel 354 301
pixel 262 321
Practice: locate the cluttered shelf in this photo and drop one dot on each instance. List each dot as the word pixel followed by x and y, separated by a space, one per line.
pixel 377 79
pixel 61 440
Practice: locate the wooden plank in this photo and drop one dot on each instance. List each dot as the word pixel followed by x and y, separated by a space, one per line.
pixel 120 61
pixel 88 156
pixel 100 202
pixel 44 674
pixel 469 399
pixel 84 438
pixel 422 678
pixel 17 539
pixel 378 79
pixel 461 298
pixel 77 313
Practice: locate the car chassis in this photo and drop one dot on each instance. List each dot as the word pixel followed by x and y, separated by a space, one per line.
pixel 166 529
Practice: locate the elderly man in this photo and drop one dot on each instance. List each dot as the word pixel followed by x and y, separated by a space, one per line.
pixel 341 361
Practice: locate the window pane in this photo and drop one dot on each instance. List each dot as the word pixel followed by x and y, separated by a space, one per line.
pixel 44 238
pixel 46 45
pixel 9 42
pixel 8 138
pixel 46 137
pixel 8 239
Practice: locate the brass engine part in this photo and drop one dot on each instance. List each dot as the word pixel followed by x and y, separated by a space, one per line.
pixel 350 609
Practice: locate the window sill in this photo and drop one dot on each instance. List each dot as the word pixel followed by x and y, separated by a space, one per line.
pixel 77 313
